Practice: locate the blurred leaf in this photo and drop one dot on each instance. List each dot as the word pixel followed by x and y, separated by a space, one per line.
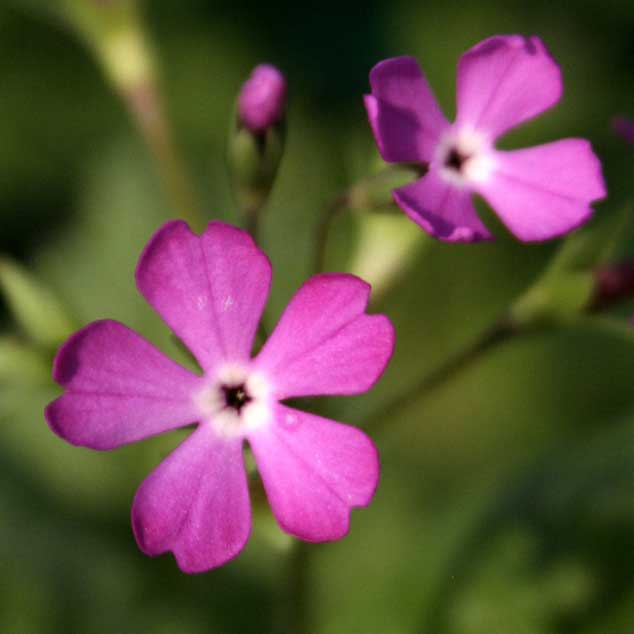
pixel 440 304
pixel 374 191
pixel 94 259
pixel 532 392
pixel 385 244
pixel 612 327
pixel 597 243
pixel 567 285
pixel 66 473
pixel 555 552
pixel 556 298
pixel 39 6
pixel 20 364
pixel 34 306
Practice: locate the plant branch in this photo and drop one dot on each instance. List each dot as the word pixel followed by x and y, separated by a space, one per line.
pixel 500 332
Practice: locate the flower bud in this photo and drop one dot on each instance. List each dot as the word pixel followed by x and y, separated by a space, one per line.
pixel 614 283
pixel 581 276
pixel 256 142
pixel 624 128
pixel 262 100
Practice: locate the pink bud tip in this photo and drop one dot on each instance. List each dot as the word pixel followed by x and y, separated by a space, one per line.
pixel 624 127
pixel 262 99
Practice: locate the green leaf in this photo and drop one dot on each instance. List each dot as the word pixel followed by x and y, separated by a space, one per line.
pixel 567 285
pixel 36 309
pixel 556 549
pixel 21 364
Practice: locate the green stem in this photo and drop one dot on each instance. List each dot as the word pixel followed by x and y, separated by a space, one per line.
pixel 334 208
pixel 145 106
pixel 251 215
pixel 295 609
pixel 370 193
pixel 114 31
pixel 500 332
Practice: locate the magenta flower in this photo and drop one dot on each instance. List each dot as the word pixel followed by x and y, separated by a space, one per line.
pixel 539 193
pixel 211 290
pixel 262 99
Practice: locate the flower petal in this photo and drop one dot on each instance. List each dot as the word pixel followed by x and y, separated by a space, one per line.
pixel 545 191
pixel 210 289
pixel 443 210
pixel 324 342
pixel 403 112
pixel 119 388
pixel 505 80
pixel 195 503
pixel 314 471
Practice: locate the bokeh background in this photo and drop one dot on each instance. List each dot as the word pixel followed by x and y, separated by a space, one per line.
pixel 507 496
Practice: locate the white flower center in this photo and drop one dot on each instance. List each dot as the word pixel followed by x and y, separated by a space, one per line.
pixel 465 156
pixel 236 401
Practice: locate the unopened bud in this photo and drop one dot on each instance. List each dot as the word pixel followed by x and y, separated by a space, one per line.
pixel 614 283
pixel 256 142
pixel 262 100
pixel 624 127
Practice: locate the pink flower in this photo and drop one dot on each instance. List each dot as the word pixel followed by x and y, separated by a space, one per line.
pixel 539 193
pixel 211 290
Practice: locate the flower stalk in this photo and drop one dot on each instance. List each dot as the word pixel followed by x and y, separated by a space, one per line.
pixel 115 34
pixel 256 141
pixel 501 331
pixel 372 193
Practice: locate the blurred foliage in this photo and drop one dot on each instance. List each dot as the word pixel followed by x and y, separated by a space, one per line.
pixel 506 497
pixel 36 310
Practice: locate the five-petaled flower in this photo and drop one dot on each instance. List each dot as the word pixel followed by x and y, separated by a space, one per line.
pixel 539 193
pixel 211 290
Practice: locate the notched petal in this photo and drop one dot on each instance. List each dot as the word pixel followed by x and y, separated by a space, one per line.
pixel 195 503
pixel 545 191
pixel 314 471
pixel 504 81
pixel 210 289
pixel 324 342
pixel 119 388
pixel 444 211
pixel 403 112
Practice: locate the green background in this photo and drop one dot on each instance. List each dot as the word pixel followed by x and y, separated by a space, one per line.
pixel 506 501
